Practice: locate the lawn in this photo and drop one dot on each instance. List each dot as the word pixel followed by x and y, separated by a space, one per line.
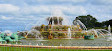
pixel 42 49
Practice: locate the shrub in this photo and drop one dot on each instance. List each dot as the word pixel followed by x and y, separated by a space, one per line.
pixel 45 34
pixel 55 34
pixel 61 35
pixel 77 34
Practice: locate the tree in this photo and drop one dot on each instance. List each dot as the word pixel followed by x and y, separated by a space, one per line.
pixel 108 22
pixel 88 21
pixel 98 24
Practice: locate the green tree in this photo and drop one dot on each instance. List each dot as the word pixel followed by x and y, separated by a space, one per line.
pixel 108 22
pixel 88 21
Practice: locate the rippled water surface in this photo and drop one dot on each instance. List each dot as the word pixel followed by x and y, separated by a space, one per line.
pixel 67 42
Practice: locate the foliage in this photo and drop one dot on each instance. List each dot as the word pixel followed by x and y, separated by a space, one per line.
pixel 22 33
pixel 42 26
pixel 37 28
pixel 45 34
pixel 57 27
pixel 108 22
pixel 61 35
pixel 78 34
pixel 91 22
pixel 55 34
pixel 65 27
pixel 88 20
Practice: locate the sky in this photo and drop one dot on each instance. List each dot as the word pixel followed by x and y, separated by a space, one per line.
pixel 22 14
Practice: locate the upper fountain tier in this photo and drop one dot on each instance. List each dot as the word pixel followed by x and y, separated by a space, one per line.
pixel 54 20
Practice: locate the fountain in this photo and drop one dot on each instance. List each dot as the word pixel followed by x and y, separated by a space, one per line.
pixel 69 33
pixel 42 44
pixel 109 29
pixel 35 33
pixel 37 44
pixel 104 33
pixel 110 36
pixel 86 36
pixel 99 32
pixel 58 20
pixel 60 44
pixel 78 22
pixel 8 36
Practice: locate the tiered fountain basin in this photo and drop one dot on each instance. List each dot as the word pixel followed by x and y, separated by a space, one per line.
pixel 60 31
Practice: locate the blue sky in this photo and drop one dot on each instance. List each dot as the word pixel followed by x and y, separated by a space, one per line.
pixel 22 14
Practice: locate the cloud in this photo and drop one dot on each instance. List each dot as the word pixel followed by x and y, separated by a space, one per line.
pixel 105 1
pixel 35 9
pixel 8 8
pixel 33 13
pixel 46 9
pixel 53 2
pixel 101 2
pixel 27 11
pixel 6 18
pixel 62 0
pixel 100 12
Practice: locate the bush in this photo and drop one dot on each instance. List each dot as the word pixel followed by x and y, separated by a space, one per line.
pixel 61 35
pixel 31 36
pixel 78 34
pixel 45 34
pixel 55 34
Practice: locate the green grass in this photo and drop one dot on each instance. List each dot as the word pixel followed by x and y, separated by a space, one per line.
pixel 42 49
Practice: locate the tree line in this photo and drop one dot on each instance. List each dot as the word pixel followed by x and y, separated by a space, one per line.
pixel 91 22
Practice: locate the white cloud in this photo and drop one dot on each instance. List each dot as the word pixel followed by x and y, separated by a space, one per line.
pixel 46 9
pixel 32 12
pixel 101 13
pixel 8 8
pixel 6 18
pixel 35 9
pixel 75 1
pixel 105 1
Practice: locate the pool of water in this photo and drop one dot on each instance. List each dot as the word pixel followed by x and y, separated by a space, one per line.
pixel 67 42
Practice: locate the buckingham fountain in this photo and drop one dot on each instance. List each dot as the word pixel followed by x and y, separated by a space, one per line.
pixel 56 29
pixel 57 33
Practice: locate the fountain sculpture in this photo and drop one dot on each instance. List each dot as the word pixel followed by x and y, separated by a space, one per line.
pixel 9 37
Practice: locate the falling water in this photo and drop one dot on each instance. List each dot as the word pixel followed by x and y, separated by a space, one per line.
pixel 105 33
pixel 110 36
pixel 78 22
pixel 100 32
pixel 109 28
pixel 69 33
pixel 35 33
pixel 58 20
pixel 52 24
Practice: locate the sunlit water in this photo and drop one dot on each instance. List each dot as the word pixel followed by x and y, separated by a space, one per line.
pixel 68 42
